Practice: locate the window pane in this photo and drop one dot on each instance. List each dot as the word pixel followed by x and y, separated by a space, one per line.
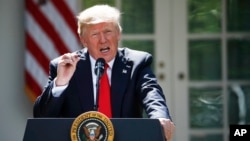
pixel 138 16
pixel 147 46
pixel 239 109
pixel 204 60
pixel 239 59
pixel 204 16
pixel 238 15
pixel 206 108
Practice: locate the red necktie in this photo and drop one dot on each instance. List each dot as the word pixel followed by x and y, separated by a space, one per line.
pixel 104 96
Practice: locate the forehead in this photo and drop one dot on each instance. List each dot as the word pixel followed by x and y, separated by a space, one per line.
pixel 101 27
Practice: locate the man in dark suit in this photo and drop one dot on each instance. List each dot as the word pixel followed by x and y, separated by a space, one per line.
pixel 71 88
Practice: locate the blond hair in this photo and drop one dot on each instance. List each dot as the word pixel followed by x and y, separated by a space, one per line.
pixel 98 14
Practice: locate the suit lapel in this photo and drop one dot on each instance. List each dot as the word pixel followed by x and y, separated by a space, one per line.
pixel 121 73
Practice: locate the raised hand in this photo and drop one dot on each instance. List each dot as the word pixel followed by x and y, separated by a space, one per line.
pixel 66 68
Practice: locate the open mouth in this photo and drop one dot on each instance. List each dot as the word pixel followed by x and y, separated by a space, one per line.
pixel 104 50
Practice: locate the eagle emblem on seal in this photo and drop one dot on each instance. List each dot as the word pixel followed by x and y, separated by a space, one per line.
pixel 92 133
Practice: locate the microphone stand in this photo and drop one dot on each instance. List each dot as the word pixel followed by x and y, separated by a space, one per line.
pixel 97 91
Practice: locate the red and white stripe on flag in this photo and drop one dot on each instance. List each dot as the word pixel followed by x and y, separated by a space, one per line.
pixel 50 30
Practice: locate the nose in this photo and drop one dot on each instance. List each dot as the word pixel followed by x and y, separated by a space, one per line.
pixel 103 38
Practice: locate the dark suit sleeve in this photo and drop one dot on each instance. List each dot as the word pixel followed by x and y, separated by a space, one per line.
pixel 151 94
pixel 46 105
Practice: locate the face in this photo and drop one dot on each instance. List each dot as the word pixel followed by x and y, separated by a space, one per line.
pixel 101 40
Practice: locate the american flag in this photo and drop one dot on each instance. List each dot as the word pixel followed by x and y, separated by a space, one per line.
pixel 50 30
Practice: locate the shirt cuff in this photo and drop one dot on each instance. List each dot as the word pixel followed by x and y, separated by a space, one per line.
pixel 57 90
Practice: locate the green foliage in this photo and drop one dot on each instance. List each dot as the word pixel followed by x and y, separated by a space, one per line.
pixel 89 3
pixel 204 16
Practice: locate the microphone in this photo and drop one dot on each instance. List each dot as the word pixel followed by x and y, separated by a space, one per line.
pixel 99 67
pixel 99 70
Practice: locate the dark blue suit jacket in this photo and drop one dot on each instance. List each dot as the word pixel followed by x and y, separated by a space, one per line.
pixel 133 88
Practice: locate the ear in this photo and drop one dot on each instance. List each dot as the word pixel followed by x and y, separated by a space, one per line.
pixel 119 35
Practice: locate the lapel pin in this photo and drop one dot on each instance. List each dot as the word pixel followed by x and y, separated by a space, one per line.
pixel 124 71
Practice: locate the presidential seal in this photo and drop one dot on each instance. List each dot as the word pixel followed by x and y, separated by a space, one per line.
pixel 92 126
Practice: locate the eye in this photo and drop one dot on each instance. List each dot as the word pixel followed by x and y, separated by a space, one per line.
pixel 94 34
pixel 108 31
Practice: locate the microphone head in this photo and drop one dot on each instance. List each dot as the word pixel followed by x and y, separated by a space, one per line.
pixel 99 66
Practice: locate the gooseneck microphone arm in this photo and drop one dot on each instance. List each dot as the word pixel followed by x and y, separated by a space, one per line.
pixel 99 69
